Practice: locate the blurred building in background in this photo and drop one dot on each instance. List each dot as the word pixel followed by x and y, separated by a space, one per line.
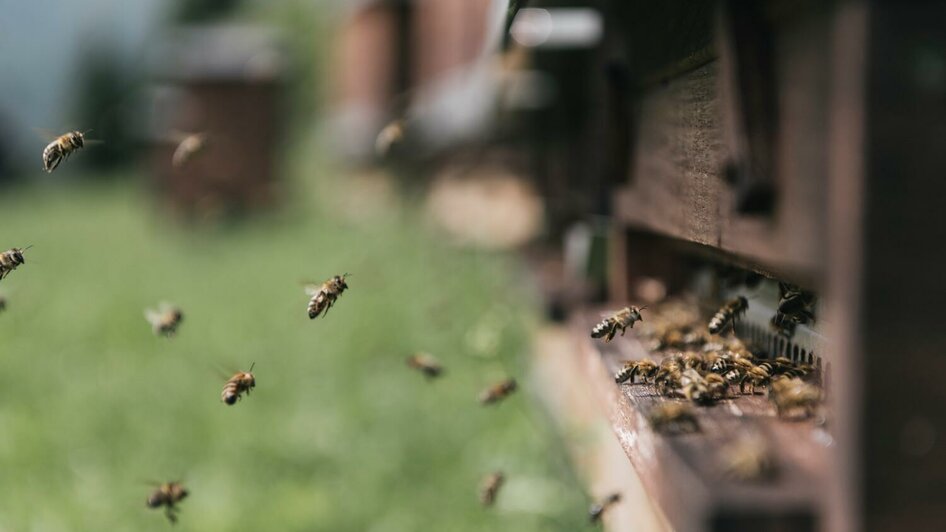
pixel 223 84
pixel 430 62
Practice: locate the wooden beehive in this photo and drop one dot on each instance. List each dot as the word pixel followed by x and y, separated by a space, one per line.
pixel 796 140
pixel 224 83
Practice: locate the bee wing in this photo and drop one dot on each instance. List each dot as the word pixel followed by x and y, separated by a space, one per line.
pixel 45 134
pixel 311 289
pixel 152 315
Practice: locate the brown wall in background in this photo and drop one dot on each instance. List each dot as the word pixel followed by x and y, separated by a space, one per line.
pixel 447 34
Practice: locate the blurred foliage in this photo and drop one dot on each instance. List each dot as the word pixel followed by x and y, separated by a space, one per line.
pixel 196 11
pixel 104 87
pixel 308 32
pixel 338 435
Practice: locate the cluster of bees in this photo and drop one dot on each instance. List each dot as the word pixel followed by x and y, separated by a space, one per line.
pixel 705 364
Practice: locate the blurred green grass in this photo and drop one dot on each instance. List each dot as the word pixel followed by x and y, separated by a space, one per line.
pixel 338 435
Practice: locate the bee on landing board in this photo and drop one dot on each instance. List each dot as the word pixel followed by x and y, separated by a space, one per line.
pixel 621 319
pixel 241 382
pixel 61 148
pixel 169 495
pixel 748 459
pixel 645 369
pixel 490 487
pixel 323 296
pixel 728 314
pixel 793 397
pixel 498 391
pixel 673 418
pixel 597 510
pixel 11 259
pixel 426 364
pixel 189 145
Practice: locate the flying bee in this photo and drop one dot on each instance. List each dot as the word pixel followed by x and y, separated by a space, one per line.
pixel 791 396
pixel 489 488
pixel 498 391
pixel 728 314
pixel 11 259
pixel 426 364
pixel 389 137
pixel 622 319
pixel 597 510
pixel 169 495
pixel 3 303
pixel 645 369
pixel 748 459
pixel 323 296
pixel 241 382
pixel 673 418
pixel 165 320
pixel 189 145
pixel 61 148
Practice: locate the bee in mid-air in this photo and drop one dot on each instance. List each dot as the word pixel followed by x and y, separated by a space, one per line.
pixel 598 509
pixel 241 382
pixel 165 320
pixel 11 259
pixel 168 494
pixel 426 364
pixel 490 487
pixel 498 391
pixel 324 295
pixel 748 459
pixel 61 148
pixel 728 314
pixel 673 418
pixel 389 137
pixel 621 319
pixel 3 303
pixel 189 145
pixel 645 369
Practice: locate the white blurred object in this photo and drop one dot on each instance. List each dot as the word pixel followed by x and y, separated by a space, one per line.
pixel 557 28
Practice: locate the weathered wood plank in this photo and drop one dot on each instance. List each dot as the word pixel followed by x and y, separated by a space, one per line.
pixel 682 472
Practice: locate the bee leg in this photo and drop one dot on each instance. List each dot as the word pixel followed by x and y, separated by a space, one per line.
pixel 611 332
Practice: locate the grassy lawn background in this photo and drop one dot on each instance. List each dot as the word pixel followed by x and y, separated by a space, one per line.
pixel 338 435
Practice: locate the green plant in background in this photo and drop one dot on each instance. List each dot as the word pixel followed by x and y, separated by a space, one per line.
pixel 338 435
pixel 196 11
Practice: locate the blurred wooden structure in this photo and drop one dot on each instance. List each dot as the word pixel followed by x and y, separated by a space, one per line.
pixel 792 139
pixel 798 140
pixel 224 83
pixel 388 50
